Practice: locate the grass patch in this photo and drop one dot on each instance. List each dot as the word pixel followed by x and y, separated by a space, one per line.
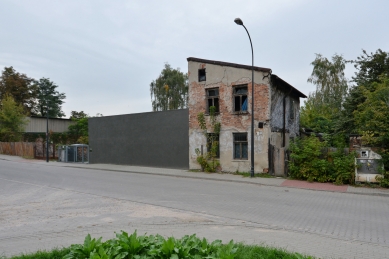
pixel 158 247
pixel 53 254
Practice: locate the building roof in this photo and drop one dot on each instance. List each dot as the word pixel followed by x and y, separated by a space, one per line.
pixel 279 82
pixel 286 87
pixel 221 63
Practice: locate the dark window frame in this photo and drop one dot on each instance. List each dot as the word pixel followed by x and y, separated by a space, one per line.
pixel 209 143
pixel 202 76
pixel 242 99
pixel 213 99
pixel 238 139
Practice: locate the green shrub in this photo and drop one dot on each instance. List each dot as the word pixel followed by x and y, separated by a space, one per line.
pixel 307 160
pixel 311 160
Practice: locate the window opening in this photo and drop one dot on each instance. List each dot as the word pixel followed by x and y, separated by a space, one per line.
pixel 213 138
pixel 240 146
pixel 202 76
pixel 240 99
pixel 213 99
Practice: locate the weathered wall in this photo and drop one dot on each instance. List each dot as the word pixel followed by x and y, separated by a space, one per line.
pixel 156 139
pixel 224 78
pixel 284 105
pixel 38 124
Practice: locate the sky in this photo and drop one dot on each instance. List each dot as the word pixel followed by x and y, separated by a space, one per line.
pixel 104 54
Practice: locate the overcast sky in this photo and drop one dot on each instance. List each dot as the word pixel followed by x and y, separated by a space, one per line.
pixel 104 54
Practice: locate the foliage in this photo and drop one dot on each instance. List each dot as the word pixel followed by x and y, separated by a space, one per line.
pixel 306 162
pixel 170 90
pixel 134 246
pixel 157 247
pixel 370 68
pixel 12 120
pixel 372 119
pixel 48 99
pixel 212 141
pixel 80 127
pixel 53 254
pixel 20 87
pixel 311 160
pixel 323 107
pixel 343 166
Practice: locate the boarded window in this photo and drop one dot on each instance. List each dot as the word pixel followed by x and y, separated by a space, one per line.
pixel 240 99
pixel 213 99
pixel 240 146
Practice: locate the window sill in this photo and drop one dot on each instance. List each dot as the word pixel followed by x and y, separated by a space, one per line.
pixel 216 113
pixel 241 113
pixel 240 160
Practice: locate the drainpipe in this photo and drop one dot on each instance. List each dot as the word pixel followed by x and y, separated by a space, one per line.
pixel 284 118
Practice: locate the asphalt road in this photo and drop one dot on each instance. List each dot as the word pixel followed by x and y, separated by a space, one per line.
pixel 44 206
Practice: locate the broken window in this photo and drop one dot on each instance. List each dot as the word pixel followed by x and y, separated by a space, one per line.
pixel 213 138
pixel 240 99
pixel 213 99
pixel 240 146
pixel 202 76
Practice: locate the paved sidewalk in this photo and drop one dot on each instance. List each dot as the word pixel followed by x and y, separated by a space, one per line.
pixel 277 181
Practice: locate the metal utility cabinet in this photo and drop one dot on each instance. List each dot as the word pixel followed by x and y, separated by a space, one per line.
pixel 367 166
pixel 76 153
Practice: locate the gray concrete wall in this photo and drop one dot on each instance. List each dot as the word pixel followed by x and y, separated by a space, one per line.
pixel 155 139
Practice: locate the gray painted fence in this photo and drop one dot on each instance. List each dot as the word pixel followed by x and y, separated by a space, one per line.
pixel 155 139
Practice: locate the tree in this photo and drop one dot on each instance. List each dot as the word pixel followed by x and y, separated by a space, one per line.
pixel 372 120
pixel 322 107
pixel 170 90
pixel 370 69
pixel 12 120
pixel 20 87
pixel 48 99
pixel 80 127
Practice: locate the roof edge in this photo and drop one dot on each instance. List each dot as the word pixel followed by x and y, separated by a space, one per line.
pixel 300 94
pixel 222 63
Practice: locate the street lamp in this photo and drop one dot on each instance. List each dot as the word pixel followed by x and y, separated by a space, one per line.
pixel 238 21
pixel 47 129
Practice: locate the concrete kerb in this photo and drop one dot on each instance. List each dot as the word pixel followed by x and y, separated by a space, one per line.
pixel 276 182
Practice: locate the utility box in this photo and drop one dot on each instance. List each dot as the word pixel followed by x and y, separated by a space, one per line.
pixel 368 165
pixel 76 153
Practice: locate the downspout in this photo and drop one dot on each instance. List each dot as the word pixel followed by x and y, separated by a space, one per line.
pixel 284 118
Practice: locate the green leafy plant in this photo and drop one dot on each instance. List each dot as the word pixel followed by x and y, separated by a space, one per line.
pixel 208 161
pixel 308 161
pixel 84 251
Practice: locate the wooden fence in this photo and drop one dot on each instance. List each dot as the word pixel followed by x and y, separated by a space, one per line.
pixel 24 149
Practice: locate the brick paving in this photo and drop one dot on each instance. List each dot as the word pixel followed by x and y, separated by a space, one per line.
pixel 315 186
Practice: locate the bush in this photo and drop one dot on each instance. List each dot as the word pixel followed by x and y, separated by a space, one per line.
pixel 312 161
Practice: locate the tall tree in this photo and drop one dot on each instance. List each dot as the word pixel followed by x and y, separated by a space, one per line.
pixel 170 90
pixel 19 86
pixel 12 119
pixel 49 99
pixel 323 106
pixel 370 69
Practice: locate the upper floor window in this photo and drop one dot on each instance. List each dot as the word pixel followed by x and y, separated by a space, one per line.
pixel 202 76
pixel 213 99
pixel 240 98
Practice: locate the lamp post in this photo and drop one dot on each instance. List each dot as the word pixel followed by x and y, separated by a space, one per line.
pixel 238 21
pixel 47 129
